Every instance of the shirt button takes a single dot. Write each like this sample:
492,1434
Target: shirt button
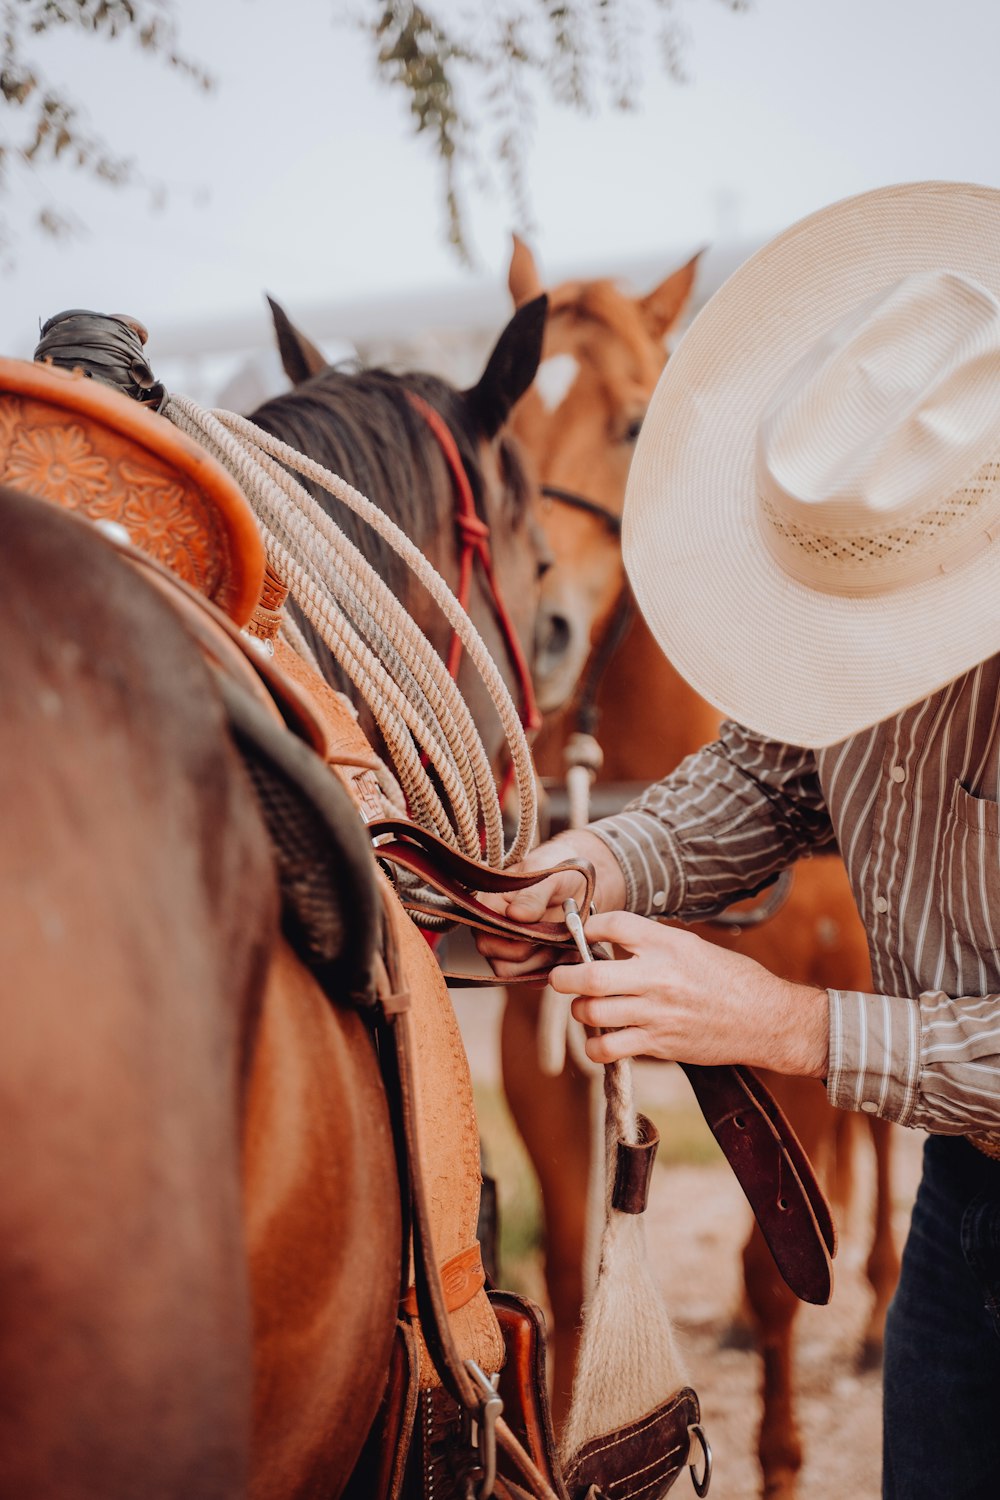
868,1107
898,774
881,904
659,899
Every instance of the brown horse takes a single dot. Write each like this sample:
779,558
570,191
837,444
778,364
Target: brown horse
201,1255
602,355
197,1152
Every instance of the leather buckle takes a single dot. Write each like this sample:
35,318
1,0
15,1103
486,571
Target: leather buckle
696,1433
483,1431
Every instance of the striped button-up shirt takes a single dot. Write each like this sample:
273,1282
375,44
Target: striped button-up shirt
914,807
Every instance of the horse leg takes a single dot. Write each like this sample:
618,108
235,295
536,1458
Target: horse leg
774,1307
136,900
882,1266
553,1116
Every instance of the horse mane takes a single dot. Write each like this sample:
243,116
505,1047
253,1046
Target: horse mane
360,424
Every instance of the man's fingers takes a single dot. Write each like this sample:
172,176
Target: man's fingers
611,1046
611,978
532,905
538,961
614,1010
504,949
621,927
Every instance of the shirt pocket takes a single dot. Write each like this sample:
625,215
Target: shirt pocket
970,879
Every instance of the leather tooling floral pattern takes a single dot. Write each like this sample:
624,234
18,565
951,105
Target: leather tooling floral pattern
103,475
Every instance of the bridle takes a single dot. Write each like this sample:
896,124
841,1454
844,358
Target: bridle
474,536
576,501
586,715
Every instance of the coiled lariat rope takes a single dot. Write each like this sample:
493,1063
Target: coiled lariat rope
419,710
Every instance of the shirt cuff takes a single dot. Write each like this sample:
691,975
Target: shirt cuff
647,853
874,1054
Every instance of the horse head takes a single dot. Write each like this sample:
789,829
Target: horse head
601,358
373,427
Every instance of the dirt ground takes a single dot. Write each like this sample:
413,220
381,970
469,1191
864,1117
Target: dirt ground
697,1222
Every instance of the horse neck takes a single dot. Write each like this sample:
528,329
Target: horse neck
650,717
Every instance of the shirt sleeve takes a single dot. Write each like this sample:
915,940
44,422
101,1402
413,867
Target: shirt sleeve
722,826
931,1061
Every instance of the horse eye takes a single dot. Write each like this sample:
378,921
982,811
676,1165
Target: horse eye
632,430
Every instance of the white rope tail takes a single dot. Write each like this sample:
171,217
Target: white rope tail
628,1363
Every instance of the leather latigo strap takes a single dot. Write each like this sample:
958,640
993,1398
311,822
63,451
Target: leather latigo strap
774,1173
437,865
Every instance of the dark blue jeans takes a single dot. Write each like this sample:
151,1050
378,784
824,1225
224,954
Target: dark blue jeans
942,1341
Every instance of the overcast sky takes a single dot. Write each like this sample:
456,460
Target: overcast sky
298,174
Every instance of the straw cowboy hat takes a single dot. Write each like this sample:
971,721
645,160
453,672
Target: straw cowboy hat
812,522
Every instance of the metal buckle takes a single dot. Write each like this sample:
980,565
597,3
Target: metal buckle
695,1430
483,1431
573,920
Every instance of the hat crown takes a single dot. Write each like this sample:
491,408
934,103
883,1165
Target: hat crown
876,456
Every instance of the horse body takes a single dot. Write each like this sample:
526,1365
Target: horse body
323,1236
158,1192
581,443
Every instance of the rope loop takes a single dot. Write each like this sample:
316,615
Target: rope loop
435,748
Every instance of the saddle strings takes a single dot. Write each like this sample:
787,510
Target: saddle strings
423,718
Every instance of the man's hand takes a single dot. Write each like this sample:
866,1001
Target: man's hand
544,902
681,998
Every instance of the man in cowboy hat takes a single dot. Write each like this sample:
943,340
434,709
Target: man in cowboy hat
812,531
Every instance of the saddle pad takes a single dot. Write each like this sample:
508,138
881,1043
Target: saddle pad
70,439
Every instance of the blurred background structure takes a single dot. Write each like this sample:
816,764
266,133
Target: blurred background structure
298,172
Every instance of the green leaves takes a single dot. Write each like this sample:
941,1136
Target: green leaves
471,84
44,124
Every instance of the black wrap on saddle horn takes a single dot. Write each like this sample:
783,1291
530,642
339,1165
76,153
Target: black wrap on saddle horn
106,347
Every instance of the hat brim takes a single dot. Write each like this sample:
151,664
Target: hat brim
791,663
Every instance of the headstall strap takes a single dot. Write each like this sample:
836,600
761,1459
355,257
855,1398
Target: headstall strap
475,539
621,617
576,501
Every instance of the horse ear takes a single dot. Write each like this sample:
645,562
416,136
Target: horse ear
664,304
523,278
510,369
299,355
